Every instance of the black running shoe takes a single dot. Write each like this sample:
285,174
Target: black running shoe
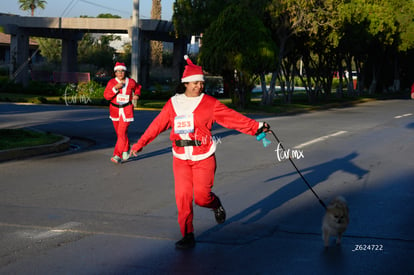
187,242
219,213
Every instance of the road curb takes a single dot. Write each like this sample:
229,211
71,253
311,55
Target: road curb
26,152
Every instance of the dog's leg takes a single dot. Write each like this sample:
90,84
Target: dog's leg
325,237
338,239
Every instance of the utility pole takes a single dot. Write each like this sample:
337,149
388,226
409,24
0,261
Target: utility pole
135,55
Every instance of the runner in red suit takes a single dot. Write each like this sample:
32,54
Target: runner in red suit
412,91
191,116
120,91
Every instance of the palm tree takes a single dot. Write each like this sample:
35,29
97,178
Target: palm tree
32,5
156,46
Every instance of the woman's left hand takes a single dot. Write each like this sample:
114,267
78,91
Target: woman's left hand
266,127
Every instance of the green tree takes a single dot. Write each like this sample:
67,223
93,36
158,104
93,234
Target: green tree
125,56
32,5
370,37
400,38
239,47
107,15
91,49
373,37
51,49
286,19
97,51
194,16
318,49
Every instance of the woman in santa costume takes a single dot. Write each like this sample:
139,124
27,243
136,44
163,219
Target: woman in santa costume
120,91
191,116
412,91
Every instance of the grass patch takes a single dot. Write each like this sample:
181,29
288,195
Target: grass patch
28,98
45,99
16,138
151,104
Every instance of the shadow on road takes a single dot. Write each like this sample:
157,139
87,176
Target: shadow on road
318,173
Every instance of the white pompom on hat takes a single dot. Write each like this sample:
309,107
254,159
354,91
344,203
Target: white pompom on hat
192,72
119,66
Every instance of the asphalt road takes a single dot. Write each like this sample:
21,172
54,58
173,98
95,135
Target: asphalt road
78,213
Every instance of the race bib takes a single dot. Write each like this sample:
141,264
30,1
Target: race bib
184,124
122,99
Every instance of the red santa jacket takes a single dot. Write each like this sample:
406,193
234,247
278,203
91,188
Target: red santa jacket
191,118
118,98
412,91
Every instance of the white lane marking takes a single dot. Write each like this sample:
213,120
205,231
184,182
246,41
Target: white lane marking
52,232
404,115
26,234
319,139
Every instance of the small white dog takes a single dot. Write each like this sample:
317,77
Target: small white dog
335,220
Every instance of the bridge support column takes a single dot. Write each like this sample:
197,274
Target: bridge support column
70,52
19,57
180,48
145,61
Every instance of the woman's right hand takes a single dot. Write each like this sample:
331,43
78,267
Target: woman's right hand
119,85
135,150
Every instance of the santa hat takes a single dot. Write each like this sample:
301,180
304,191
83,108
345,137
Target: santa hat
120,66
192,72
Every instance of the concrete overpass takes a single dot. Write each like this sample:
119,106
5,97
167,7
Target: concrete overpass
71,30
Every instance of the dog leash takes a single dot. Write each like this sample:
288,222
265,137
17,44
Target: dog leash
266,142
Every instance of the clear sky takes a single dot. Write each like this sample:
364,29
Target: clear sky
76,8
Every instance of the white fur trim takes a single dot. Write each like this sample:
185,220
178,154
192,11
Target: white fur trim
120,67
185,57
183,105
193,78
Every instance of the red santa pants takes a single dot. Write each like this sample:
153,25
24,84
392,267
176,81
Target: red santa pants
193,177
122,142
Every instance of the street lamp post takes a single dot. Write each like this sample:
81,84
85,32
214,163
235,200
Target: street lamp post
135,55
